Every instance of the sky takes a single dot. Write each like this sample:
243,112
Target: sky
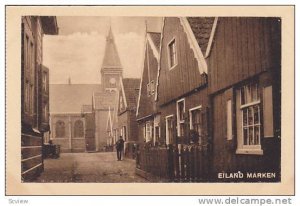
77,52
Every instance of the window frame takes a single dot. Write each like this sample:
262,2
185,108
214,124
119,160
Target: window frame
167,129
152,87
61,130
180,121
75,127
191,120
148,130
148,89
173,40
243,148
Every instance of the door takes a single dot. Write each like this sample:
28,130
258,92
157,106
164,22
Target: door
90,132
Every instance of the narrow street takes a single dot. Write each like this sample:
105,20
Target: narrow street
89,167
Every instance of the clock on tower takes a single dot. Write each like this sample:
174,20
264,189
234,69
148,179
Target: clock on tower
111,70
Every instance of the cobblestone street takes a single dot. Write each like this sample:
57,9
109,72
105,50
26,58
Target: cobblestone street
89,167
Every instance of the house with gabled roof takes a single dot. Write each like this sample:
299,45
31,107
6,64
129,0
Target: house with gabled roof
180,101
127,106
182,93
147,114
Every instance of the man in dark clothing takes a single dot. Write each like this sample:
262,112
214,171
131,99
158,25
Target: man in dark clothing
120,147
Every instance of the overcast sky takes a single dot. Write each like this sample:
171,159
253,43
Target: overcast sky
77,52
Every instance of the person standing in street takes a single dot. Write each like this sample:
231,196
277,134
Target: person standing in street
120,147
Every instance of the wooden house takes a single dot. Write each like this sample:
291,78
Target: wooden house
244,67
147,114
127,104
34,92
182,93
180,101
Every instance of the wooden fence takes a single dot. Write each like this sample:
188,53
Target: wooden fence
181,163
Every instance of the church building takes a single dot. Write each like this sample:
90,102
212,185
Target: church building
71,127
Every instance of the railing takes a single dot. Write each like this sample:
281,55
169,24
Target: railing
177,163
153,160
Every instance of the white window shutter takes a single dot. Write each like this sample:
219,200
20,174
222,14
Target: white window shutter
229,120
268,112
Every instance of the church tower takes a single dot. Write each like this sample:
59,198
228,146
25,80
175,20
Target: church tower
111,70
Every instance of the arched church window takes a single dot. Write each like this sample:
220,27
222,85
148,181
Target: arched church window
78,128
60,129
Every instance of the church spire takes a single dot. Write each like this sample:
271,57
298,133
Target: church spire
111,56
111,70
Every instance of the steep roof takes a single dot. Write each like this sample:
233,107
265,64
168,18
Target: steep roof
104,99
146,105
202,28
131,90
70,97
155,36
111,58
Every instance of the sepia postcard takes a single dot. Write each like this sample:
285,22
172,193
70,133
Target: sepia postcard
150,100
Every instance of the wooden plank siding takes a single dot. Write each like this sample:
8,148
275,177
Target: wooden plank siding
147,103
242,48
193,100
31,155
185,76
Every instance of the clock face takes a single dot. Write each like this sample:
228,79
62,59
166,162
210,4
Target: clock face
112,80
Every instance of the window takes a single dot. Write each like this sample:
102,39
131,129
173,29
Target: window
148,131
148,90
123,133
156,132
249,120
180,117
45,81
170,130
59,129
196,121
152,87
45,113
78,128
28,75
172,53
27,96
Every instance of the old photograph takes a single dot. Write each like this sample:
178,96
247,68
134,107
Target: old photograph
177,99
165,99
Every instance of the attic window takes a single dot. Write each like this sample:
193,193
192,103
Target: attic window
172,54
152,87
148,90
